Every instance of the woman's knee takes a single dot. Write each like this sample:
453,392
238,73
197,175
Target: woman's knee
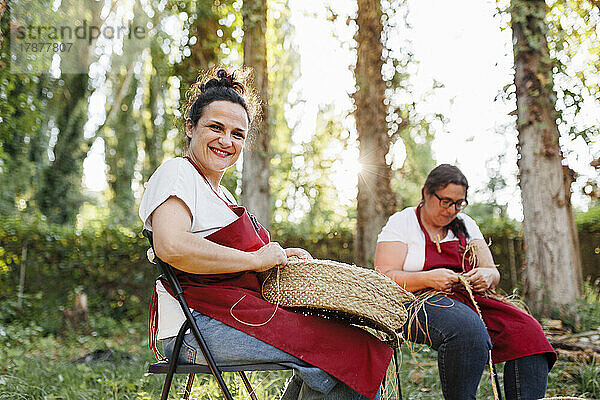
446,321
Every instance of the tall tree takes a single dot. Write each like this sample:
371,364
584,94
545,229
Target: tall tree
59,194
23,139
405,123
552,268
573,30
376,200
256,169
203,42
284,59
120,137
156,122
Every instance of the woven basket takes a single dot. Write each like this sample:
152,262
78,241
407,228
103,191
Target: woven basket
332,289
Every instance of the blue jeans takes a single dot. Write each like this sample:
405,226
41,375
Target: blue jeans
462,343
231,346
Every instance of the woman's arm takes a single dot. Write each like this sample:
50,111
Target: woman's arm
176,245
486,275
389,260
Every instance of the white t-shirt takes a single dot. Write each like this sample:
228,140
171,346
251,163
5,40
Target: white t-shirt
404,227
178,177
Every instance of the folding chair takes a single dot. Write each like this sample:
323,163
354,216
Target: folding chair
171,367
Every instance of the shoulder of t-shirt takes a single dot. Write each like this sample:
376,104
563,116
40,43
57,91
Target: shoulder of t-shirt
175,166
471,225
399,226
403,216
170,170
180,170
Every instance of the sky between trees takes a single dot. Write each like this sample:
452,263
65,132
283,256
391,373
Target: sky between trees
463,45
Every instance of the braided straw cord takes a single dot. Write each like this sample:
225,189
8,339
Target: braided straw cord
471,250
467,286
332,289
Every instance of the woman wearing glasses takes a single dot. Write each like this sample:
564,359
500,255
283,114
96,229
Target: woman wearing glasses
423,248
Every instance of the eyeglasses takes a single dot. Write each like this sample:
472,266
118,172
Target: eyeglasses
447,203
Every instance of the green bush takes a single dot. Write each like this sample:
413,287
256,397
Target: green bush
106,262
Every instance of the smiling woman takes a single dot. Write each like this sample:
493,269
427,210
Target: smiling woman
217,248
217,139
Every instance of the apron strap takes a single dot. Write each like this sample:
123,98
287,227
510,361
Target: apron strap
227,203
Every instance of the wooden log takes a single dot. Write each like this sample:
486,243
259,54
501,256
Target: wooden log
561,344
586,334
578,356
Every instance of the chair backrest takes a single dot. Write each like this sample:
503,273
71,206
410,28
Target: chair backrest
169,273
165,268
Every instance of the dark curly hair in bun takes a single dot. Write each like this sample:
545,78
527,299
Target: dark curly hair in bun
221,85
440,177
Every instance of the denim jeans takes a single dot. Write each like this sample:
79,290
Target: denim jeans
231,346
462,343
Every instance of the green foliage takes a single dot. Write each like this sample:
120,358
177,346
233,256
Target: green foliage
307,172
107,262
57,374
588,377
333,245
407,127
574,379
23,102
58,194
589,221
572,34
120,138
589,305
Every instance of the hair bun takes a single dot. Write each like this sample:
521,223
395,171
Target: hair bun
223,79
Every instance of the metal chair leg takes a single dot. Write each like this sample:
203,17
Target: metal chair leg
248,385
188,387
398,387
173,361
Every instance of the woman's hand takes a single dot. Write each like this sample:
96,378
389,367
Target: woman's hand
297,252
268,256
442,279
481,279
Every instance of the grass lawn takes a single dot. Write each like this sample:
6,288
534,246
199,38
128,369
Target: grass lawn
36,367
43,367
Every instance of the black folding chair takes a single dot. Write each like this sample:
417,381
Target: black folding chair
171,367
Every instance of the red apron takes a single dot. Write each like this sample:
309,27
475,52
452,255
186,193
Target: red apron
348,353
514,333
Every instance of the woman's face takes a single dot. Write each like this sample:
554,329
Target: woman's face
218,138
436,213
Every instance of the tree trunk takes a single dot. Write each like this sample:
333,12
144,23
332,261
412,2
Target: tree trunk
59,195
376,201
155,131
121,150
204,52
552,269
256,195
